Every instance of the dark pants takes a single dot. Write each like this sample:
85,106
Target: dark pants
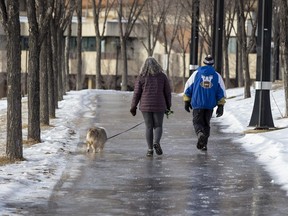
201,121
154,129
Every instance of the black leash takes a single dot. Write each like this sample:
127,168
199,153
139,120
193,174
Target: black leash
125,130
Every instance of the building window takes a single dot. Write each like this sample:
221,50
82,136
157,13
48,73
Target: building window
88,43
232,45
24,43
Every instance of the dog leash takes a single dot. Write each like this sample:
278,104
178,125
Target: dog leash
126,130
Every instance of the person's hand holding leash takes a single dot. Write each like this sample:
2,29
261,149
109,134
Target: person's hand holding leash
168,112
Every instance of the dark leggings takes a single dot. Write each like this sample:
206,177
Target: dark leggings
153,123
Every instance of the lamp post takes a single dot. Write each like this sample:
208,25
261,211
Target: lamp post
217,48
194,37
261,116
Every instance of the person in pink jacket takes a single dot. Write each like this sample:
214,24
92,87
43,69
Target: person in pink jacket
152,90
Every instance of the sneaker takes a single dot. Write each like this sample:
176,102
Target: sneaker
204,148
149,153
201,140
158,149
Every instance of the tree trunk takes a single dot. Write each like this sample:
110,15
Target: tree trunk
33,75
79,46
51,78
124,32
60,63
67,51
240,45
284,40
244,51
226,57
247,91
184,68
240,66
33,90
227,77
14,149
44,107
125,65
54,46
98,63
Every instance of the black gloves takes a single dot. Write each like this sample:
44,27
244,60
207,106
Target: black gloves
168,112
188,106
219,111
133,111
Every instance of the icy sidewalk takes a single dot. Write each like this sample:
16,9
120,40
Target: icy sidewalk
183,181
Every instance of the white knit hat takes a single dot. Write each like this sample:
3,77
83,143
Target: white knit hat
208,60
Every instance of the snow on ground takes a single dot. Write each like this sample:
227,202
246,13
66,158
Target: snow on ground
270,148
34,178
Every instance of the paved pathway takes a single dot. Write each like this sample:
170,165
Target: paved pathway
184,181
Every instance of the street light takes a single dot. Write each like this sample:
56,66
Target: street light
261,116
218,34
194,37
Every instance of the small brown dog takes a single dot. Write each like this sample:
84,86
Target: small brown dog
95,139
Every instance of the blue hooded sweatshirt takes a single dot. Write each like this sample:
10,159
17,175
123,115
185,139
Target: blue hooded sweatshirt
205,88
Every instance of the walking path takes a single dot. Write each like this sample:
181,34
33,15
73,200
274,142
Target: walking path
183,181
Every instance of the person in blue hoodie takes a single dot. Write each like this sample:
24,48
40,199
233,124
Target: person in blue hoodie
204,90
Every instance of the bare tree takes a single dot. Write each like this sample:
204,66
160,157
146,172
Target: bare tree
66,22
128,13
51,77
243,47
246,47
283,4
183,44
66,57
44,105
153,15
9,13
97,9
79,45
205,27
239,54
230,16
61,18
205,24
37,30
170,30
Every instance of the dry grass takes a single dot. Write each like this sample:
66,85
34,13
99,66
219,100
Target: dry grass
29,142
5,161
47,126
